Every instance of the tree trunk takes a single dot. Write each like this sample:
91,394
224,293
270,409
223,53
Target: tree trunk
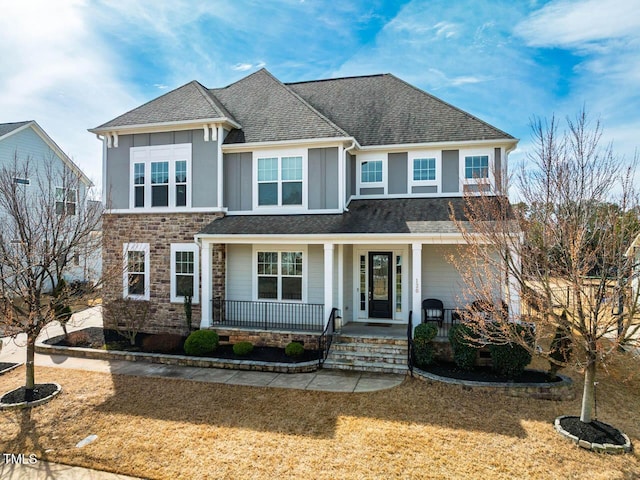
588,394
30,367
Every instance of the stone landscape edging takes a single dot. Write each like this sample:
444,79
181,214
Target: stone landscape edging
10,368
596,447
562,390
34,403
182,360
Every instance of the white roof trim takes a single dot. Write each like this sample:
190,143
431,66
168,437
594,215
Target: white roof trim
195,124
243,147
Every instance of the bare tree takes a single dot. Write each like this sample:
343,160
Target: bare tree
558,259
45,221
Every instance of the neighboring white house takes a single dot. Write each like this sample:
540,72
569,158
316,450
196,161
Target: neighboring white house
634,253
26,145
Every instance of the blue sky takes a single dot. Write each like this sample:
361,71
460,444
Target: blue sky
74,64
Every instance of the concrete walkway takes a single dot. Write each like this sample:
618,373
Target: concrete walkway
13,350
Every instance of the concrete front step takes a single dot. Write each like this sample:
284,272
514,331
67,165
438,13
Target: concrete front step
382,349
367,354
361,366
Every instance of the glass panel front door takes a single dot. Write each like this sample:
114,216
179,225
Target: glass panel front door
380,286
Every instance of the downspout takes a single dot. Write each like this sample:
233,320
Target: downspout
342,184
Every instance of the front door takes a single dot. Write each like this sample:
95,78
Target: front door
380,284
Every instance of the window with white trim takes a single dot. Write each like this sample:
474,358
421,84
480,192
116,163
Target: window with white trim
476,167
135,277
66,200
21,181
424,169
371,171
184,272
280,275
280,181
160,176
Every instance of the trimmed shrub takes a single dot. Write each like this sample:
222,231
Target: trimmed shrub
422,343
201,342
464,351
243,348
509,359
162,343
294,349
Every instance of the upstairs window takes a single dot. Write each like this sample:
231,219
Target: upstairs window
21,181
424,169
280,181
161,176
66,200
476,167
371,171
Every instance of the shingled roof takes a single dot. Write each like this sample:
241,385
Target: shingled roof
384,110
10,127
374,109
269,111
191,102
392,215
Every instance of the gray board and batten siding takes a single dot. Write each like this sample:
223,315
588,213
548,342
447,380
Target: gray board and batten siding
397,173
204,184
238,185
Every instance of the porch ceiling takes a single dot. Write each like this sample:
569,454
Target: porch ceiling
376,216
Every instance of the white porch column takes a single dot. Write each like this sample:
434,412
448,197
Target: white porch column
416,283
206,285
341,279
328,280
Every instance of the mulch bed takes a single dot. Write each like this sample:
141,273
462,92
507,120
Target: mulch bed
98,338
41,390
6,366
486,374
593,432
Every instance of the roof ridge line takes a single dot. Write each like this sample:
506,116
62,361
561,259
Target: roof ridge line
349,77
213,100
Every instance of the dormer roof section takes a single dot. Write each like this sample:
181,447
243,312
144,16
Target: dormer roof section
269,111
186,105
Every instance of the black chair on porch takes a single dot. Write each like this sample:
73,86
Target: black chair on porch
433,311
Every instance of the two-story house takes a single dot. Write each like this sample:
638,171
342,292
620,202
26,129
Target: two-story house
273,203
41,168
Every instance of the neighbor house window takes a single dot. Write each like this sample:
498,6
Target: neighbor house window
371,171
280,181
476,166
66,200
135,279
280,275
160,176
424,169
184,272
21,181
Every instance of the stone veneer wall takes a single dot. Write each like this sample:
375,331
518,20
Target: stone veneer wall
159,231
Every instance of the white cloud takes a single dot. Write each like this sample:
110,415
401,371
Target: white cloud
578,24
242,67
55,71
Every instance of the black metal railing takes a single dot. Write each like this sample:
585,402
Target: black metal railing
410,343
324,340
451,317
306,317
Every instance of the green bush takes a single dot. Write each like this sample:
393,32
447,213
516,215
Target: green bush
422,344
201,342
243,348
509,359
294,349
464,351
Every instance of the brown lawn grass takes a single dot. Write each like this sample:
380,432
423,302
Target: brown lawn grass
166,429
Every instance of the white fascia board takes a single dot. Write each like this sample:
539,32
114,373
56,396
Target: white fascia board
510,142
164,210
372,239
311,142
165,126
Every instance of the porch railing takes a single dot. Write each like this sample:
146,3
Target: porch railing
324,341
306,317
451,317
